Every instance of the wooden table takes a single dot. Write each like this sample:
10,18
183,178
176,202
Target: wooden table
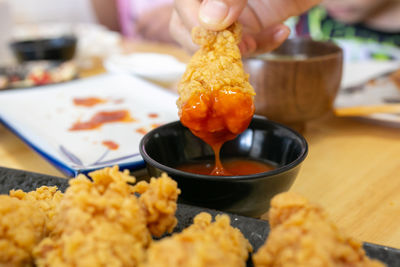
352,170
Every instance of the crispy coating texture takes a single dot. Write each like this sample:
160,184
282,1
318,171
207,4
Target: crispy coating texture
202,244
302,235
25,219
22,227
216,65
158,200
102,223
45,198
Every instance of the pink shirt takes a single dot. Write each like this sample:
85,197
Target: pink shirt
130,10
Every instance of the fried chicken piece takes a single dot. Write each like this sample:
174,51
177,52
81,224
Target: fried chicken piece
102,223
215,98
302,235
203,244
158,200
45,198
24,222
22,227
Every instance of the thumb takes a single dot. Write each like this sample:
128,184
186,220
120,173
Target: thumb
219,14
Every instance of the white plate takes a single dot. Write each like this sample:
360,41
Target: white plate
371,93
42,117
156,67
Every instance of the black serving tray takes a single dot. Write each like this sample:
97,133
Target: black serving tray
255,230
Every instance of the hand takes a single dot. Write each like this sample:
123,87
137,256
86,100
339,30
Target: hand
262,20
153,25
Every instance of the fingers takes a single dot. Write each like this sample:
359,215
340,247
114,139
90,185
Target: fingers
247,46
279,10
188,11
249,20
219,14
180,33
261,20
271,38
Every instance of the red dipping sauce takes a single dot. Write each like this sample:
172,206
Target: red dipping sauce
217,117
232,167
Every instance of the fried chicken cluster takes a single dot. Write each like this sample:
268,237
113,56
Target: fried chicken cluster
104,223
95,223
302,235
202,244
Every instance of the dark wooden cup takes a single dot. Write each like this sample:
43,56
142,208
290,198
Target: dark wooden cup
297,82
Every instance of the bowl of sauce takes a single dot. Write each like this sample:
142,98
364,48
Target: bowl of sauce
261,162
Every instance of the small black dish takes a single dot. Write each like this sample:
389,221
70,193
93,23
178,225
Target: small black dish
172,145
60,49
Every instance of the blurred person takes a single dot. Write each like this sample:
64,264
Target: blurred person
139,19
365,29
38,11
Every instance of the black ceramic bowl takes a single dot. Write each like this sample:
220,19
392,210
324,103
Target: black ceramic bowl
60,49
172,145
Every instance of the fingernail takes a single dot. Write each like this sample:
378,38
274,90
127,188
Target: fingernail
213,12
281,34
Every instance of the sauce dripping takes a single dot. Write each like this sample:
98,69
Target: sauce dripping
217,117
234,166
101,118
88,101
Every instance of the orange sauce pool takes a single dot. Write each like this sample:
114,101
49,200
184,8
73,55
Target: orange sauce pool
217,117
101,118
235,166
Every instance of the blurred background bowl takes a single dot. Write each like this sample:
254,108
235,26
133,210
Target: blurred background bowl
172,145
59,49
297,82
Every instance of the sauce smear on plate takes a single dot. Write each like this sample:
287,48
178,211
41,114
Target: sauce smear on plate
235,166
101,118
110,144
88,101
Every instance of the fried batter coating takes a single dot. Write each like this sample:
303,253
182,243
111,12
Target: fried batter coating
302,235
22,226
100,223
25,219
215,95
216,65
203,244
45,198
158,199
